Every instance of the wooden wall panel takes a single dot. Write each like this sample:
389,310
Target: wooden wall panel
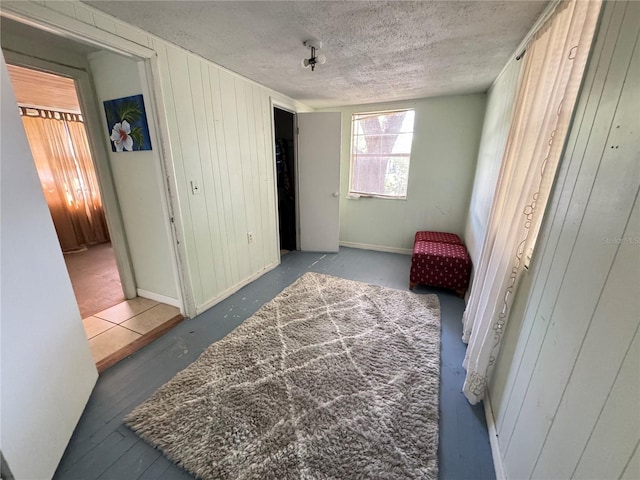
225,148
245,138
632,468
614,440
221,181
606,345
234,166
220,135
556,396
200,194
184,232
212,185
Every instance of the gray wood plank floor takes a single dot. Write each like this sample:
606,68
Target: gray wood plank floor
103,448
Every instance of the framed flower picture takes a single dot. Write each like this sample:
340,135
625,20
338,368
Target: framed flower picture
127,123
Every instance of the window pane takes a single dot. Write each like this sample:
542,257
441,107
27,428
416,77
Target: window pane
381,149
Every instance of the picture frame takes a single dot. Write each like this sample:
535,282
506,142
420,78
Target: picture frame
127,124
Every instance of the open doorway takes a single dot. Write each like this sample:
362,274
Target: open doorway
131,192
55,128
284,128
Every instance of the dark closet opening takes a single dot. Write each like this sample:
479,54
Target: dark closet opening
284,123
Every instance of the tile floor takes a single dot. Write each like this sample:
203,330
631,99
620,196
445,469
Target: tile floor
116,327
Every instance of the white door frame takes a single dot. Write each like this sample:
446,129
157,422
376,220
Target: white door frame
44,18
275,103
84,90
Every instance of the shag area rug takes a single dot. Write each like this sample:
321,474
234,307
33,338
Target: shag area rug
330,379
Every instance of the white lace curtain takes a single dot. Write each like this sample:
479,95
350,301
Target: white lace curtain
551,75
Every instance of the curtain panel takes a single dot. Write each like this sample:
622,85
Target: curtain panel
555,61
60,149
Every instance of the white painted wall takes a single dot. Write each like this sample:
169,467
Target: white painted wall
139,185
219,134
566,387
443,155
495,130
47,369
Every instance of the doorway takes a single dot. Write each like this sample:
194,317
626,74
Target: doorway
284,131
57,136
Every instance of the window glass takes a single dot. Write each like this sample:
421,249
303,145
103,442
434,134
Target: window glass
380,153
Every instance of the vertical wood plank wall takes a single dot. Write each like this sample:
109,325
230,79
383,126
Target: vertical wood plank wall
220,132
566,388
221,138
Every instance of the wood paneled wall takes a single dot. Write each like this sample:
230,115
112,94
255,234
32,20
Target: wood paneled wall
566,388
220,128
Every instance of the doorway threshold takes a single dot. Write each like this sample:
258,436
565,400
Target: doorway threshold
121,330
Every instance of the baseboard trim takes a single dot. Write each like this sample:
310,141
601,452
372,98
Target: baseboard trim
231,290
377,248
174,302
493,439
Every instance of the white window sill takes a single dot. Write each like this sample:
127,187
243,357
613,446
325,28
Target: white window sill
358,196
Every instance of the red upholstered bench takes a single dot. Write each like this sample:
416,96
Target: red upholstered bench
439,237
440,263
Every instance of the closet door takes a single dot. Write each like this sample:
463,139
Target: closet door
319,180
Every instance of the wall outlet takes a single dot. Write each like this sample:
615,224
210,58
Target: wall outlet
251,237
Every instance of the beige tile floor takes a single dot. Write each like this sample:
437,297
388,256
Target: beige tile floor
116,327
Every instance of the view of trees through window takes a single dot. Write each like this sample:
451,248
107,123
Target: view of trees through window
380,153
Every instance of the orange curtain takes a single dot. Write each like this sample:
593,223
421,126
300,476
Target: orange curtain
61,152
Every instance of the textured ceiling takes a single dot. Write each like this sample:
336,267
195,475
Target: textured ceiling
376,51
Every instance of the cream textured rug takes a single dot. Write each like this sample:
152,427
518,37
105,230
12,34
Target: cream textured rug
330,379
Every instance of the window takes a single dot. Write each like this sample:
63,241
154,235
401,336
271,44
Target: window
380,153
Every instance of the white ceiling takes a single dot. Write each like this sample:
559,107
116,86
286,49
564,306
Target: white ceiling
377,51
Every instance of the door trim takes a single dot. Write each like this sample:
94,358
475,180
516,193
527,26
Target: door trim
52,21
287,108
86,95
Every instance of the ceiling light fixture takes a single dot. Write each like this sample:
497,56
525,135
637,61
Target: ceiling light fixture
314,59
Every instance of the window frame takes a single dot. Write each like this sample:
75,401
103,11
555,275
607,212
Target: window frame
351,194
